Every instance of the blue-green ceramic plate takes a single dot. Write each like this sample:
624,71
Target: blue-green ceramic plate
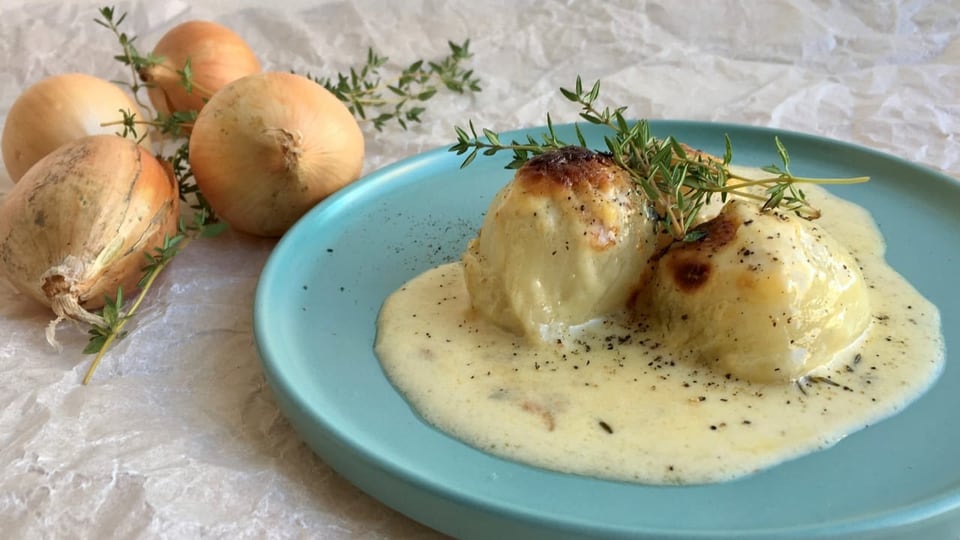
315,322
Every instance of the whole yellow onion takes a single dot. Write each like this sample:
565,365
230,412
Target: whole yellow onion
217,57
78,224
268,147
60,109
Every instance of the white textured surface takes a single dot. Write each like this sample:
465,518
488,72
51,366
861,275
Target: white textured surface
178,435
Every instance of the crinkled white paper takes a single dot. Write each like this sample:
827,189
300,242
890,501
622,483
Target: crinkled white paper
178,434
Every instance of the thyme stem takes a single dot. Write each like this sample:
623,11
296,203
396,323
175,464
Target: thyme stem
102,337
116,331
130,57
173,125
132,121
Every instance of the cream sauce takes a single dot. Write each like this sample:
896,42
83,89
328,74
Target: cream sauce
615,402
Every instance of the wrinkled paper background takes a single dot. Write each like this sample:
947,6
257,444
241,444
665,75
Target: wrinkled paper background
179,436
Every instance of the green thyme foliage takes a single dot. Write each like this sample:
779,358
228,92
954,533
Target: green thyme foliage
111,314
369,97
130,56
175,125
190,193
679,181
784,194
522,152
363,90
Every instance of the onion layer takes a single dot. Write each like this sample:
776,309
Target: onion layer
77,225
217,56
268,147
57,110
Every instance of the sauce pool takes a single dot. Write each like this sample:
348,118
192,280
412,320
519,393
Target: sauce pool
614,401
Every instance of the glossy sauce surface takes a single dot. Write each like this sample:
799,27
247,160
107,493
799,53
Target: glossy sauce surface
617,399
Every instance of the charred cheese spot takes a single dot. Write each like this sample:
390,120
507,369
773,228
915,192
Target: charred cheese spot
570,168
690,274
586,182
691,263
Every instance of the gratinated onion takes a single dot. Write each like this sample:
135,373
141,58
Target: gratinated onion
57,110
217,57
268,147
77,225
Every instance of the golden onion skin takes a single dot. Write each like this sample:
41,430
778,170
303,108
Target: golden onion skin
269,147
77,225
59,109
217,55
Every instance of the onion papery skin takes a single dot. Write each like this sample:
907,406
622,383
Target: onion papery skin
218,56
77,225
60,109
269,147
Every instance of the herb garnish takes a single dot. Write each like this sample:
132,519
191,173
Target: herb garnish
401,100
678,180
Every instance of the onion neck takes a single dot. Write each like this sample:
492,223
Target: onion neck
291,146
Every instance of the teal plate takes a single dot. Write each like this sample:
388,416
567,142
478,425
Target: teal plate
315,322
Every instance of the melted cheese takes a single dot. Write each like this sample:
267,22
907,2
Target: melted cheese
765,296
564,243
625,400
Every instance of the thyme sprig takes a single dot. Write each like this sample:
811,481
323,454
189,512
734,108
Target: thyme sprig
130,56
369,97
171,126
114,316
677,179
174,124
